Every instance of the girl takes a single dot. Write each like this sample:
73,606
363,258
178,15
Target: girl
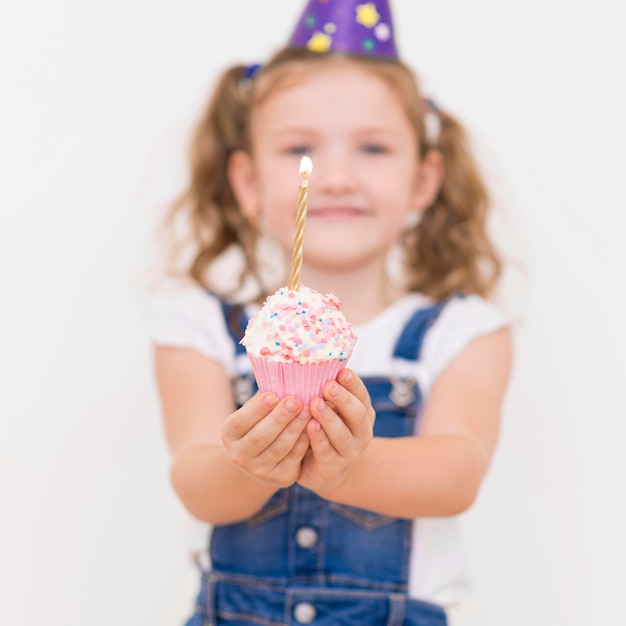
336,512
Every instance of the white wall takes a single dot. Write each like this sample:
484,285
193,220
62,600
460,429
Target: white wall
95,103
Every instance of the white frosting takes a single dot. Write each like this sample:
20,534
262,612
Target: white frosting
301,326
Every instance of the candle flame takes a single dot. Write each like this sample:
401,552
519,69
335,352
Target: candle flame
306,166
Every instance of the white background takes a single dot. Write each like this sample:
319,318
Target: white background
96,102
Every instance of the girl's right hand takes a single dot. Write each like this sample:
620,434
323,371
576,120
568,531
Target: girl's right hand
267,438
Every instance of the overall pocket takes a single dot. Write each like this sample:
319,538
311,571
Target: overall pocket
256,546
363,547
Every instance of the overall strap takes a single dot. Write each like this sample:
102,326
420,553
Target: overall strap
411,340
407,352
236,321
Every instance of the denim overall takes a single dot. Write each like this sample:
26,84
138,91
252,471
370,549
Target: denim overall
304,560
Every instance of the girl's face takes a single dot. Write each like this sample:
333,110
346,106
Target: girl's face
367,179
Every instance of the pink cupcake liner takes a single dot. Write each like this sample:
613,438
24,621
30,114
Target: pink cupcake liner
295,379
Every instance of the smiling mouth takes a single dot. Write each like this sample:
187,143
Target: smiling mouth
339,212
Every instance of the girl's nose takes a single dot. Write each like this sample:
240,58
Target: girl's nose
334,173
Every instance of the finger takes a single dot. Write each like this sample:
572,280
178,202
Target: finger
355,385
288,470
356,415
334,428
321,446
241,421
266,431
285,440
296,454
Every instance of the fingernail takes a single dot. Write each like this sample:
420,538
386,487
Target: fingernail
304,414
270,400
321,406
347,376
291,405
333,390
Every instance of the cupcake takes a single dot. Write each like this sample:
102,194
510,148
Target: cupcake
297,342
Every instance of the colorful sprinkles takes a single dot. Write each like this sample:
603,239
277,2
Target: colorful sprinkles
302,326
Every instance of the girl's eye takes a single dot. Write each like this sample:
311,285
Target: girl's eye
374,148
299,150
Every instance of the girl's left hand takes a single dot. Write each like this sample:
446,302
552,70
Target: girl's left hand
340,428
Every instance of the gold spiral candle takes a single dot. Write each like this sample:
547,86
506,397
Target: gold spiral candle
306,167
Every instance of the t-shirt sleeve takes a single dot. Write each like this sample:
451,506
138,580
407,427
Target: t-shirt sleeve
462,320
190,318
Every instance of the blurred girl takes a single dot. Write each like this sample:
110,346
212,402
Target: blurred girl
342,511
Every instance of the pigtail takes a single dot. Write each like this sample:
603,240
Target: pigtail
208,204
449,251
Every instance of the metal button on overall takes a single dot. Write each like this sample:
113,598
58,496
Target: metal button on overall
304,613
306,537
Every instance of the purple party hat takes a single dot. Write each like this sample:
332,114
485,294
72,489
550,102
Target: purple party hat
350,26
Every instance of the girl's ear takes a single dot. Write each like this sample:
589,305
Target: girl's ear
243,183
429,180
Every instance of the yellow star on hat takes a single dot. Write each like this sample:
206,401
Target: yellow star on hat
367,15
319,42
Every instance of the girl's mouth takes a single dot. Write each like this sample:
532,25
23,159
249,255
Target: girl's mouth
337,212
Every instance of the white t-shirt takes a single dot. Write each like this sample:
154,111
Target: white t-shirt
189,317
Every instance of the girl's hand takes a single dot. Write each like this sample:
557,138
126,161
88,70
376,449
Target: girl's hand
267,438
339,431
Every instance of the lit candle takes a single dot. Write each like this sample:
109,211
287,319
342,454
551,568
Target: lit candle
306,167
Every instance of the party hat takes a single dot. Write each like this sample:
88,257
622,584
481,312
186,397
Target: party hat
350,26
